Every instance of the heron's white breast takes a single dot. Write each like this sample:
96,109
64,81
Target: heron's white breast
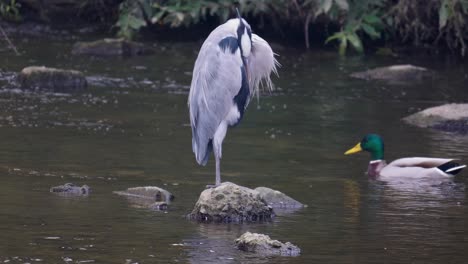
246,44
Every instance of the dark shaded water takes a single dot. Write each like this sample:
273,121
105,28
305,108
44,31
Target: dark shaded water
132,129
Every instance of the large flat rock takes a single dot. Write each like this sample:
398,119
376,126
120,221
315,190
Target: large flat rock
448,117
51,79
395,73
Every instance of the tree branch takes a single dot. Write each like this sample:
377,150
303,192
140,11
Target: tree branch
9,41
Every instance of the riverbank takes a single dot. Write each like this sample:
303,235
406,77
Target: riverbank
438,26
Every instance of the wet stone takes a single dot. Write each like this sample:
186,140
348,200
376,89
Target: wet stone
70,189
396,73
110,47
277,199
231,203
51,79
448,117
150,197
263,245
459,126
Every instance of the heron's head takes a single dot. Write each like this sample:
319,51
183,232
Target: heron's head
372,143
244,35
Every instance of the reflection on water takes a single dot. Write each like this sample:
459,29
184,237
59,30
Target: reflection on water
131,129
214,244
352,200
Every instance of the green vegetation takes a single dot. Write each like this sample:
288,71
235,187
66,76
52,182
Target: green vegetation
9,10
351,24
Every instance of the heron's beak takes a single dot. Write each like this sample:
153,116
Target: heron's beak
238,13
355,149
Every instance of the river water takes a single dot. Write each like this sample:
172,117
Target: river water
131,128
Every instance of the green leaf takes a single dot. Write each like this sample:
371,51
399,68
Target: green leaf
323,7
343,46
157,17
372,19
443,14
136,22
370,30
352,26
122,22
342,4
464,5
355,42
146,7
326,5
337,35
389,21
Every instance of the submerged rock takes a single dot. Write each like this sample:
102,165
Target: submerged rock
110,47
231,203
56,80
70,189
264,245
148,197
395,73
448,117
277,199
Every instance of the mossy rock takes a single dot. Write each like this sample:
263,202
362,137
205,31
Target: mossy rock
70,189
229,202
110,47
263,245
52,79
277,199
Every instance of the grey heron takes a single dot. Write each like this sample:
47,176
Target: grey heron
230,67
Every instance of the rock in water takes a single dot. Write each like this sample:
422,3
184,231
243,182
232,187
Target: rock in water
51,79
264,245
70,189
395,73
277,199
231,203
148,197
110,47
449,117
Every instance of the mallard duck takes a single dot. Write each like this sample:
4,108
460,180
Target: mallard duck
417,167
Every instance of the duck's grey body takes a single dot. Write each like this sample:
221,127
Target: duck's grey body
415,167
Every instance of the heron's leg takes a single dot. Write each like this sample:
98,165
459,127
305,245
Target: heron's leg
218,147
218,170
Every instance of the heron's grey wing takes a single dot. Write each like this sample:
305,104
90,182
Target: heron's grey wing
216,80
261,64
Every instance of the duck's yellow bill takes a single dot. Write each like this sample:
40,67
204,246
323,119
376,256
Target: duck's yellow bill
355,149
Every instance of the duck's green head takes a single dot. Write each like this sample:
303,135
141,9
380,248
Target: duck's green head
372,143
